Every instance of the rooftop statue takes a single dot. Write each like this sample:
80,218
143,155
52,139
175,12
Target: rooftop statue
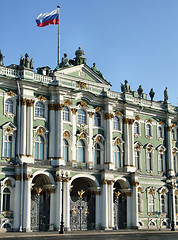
140,91
80,59
64,63
125,88
97,71
152,94
165,95
26,62
1,59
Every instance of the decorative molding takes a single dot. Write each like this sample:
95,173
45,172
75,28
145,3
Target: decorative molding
66,134
125,120
41,98
98,139
117,142
110,182
118,113
67,102
98,109
11,93
83,104
137,117
149,121
30,102
40,131
82,85
23,101
108,116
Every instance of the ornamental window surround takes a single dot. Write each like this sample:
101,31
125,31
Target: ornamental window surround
149,130
8,146
39,109
117,157
81,116
160,132
97,154
151,196
137,155
140,199
9,106
149,157
66,116
66,150
81,149
161,159
136,128
163,200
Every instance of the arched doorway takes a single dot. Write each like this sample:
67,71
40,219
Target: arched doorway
120,205
40,203
82,204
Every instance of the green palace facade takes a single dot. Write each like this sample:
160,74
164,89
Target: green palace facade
75,152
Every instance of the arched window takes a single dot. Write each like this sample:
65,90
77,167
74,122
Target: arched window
148,130
117,157
148,161
8,145
116,123
151,203
6,200
175,161
137,159
9,106
81,151
136,128
65,114
160,162
82,119
160,132
162,204
97,154
176,203
39,147
39,109
66,150
97,119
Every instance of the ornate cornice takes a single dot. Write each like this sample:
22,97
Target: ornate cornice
108,116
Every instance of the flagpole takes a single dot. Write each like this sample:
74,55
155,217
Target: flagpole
58,47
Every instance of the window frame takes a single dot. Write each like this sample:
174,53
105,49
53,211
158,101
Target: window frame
116,124
39,147
6,196
66,114
97,119
81,118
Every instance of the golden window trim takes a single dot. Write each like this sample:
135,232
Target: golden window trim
11,93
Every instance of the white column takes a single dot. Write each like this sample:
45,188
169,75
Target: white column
66,205
30,128
52,211
59,134
132,159
23,127
74,124
52,131
58,202
17,202
111,205
98,210
172,203
27,204
104,210
129,211
135,205
90,144
169,149
126,139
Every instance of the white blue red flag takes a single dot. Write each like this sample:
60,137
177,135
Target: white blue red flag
45,19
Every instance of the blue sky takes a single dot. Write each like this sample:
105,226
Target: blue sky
135,40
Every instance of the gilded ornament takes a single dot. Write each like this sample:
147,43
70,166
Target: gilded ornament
11,93
41,98
9,130
173,125
134,184
151,191
108,116
80,193
86,211
137,147
52,106
137,117
139,189
176,192
73,210
117,194
23,101
67,102
149,121
169,128
83,104
98,109
131,121
38,190
90,114
161,123
59,106
98,139
8,182
40,131
117,141
66,134
74,111
30,102
110,182
82,84
163,191
126,120
118,113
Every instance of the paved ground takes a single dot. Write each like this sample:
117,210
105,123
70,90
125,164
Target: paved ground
98,235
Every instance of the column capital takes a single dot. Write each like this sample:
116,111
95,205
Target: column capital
133,183
74,111
30,102
52,106
23,101
90,114
108,116
59,106
27,177
103,181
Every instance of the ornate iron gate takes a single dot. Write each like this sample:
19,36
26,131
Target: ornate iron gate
120,212
40,210
82,214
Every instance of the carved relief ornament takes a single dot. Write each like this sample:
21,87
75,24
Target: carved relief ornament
30,102
40,131
149,121
90,114
52,106
118,113
59,106
83,104
98,139
108,116
74,111
41,98
11,93
137,117
82,84
98,109
66,134
67,102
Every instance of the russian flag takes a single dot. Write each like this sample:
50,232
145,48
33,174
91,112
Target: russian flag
45,19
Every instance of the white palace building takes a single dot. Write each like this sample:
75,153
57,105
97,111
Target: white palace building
113,156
